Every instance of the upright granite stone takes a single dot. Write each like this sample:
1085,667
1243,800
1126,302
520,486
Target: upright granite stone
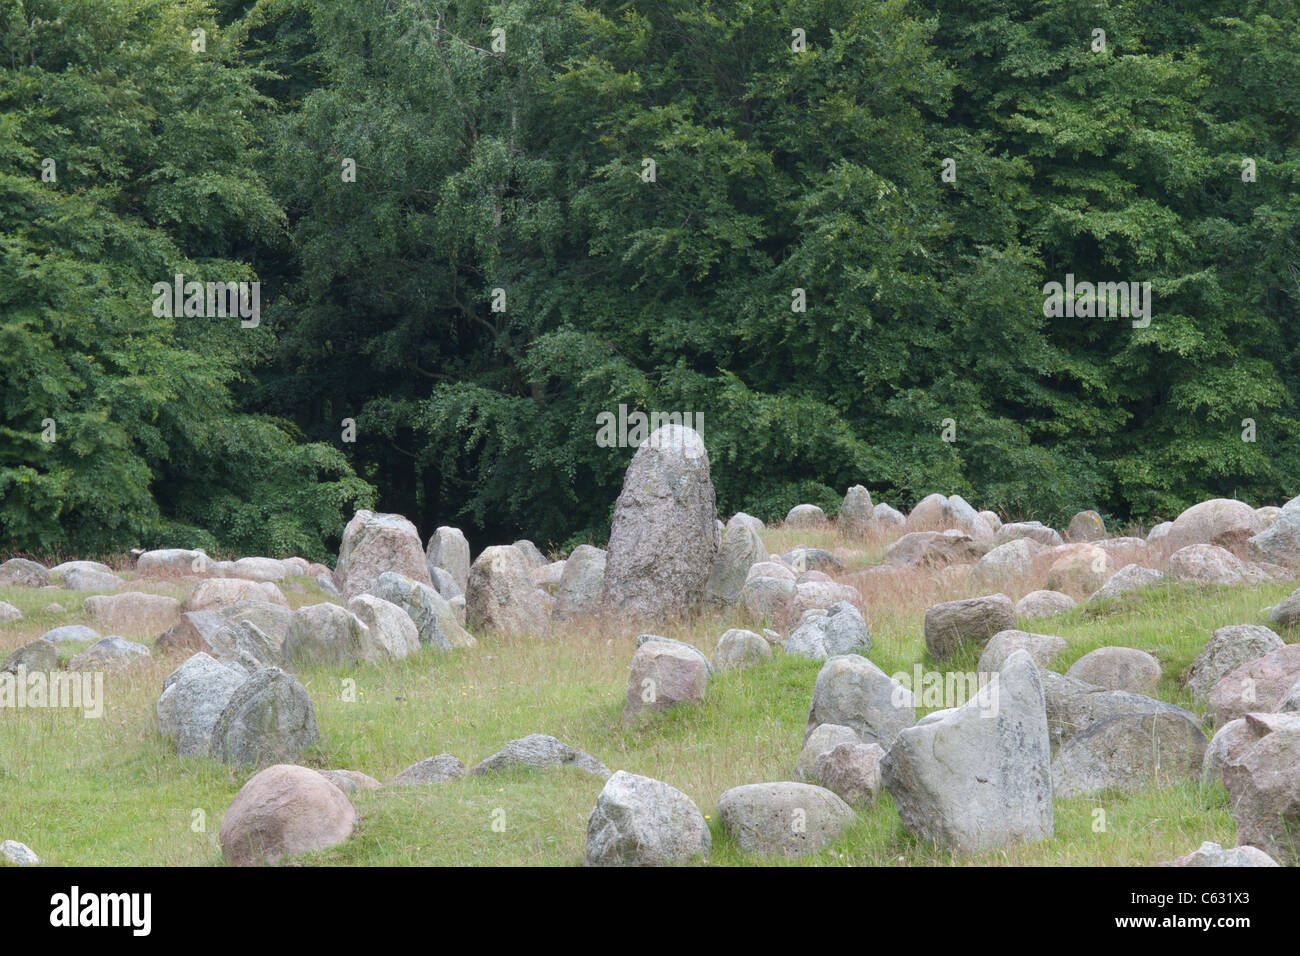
857,513
501,597
1279,542
435,619
448,549
741,549
269,719
853,692
663,540
578,593
374,543
978,776
193,698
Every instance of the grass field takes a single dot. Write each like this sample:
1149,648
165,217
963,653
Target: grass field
112,791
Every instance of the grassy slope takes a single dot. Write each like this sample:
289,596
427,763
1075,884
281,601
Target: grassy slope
112,791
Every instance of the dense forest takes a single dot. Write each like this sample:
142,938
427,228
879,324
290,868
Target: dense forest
823,227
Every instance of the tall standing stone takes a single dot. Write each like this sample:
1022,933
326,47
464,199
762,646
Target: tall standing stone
663,540
374,543
449,550
857,513
741,549
578,592
978,776
500,596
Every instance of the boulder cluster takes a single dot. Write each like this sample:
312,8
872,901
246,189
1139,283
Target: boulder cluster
969,775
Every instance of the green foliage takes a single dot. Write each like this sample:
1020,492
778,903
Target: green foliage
523,170
153,148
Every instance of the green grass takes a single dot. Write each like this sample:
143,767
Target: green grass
112,791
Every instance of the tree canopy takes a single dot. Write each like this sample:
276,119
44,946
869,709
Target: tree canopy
824,228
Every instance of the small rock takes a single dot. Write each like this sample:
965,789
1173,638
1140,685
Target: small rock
851,771
1208,564
1081,569
1086,526
738,649
389,633
823,738
889,517
71,632
1258,685
840,630
437,769
90,579
638,821
805,516
21,573
664,673
1073,705
540,752
282,811
350,781
108,653
783,819
1211,854
1264,789
1044,604
1228,648
1130,578
18,854
973,620
1118,668
1043,649
38,655
325,634
1223,522
853,692
213,593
